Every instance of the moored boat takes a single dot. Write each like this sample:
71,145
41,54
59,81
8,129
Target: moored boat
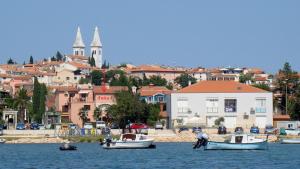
290,141
2,141
129,141
239,142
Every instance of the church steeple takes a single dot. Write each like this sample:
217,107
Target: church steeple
78,46
96,39
96,48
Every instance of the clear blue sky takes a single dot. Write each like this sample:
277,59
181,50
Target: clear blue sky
256,33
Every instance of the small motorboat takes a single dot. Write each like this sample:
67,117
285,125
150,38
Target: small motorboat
67,146
239,142
129,141
2,140
290,141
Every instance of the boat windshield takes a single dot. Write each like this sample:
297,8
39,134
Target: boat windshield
128,137
238,139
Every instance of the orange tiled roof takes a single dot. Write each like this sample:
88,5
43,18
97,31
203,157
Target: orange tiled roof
260,78
21,77
281,117
152,90
80,65
64,88
5,75
78,57
221,87
154,68
109,90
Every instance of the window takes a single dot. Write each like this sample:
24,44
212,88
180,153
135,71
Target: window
87,107
260,105
160,98
67,78
75,78
182,104
212,105
230,105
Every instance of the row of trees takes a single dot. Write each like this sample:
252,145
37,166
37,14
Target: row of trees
119,78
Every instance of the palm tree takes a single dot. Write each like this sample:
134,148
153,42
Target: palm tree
83,114
21,102
97,113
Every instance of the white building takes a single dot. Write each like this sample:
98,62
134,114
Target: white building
202,103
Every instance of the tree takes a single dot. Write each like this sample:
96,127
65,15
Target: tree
169,86
184,79
84,80
97,113
128,107
262,86
53,58
105,65
96,76
59,56
31,60
244,78
158,81
117,78
10,61
36,97
92,61
287,83
21,102
152,113
83,114
42,106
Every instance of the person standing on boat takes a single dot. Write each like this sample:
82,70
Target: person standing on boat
202,139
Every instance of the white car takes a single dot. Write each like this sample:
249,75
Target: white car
87,126
100,124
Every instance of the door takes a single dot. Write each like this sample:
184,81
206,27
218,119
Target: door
230,122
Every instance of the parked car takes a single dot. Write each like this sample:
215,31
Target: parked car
159,125
87,126
254,129
100,124
239,130
42,127
196,129
34,126
138,126
3,126
222,130
20,126
270,129
114,126
183,129
72,126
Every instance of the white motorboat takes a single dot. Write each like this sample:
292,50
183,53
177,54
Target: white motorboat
239,142
290,141
129,141
2,140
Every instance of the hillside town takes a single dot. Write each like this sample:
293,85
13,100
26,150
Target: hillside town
82,87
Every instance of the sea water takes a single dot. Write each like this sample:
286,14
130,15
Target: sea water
166,155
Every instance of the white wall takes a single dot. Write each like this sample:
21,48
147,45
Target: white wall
197,104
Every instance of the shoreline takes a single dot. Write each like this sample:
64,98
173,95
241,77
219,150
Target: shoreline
176,138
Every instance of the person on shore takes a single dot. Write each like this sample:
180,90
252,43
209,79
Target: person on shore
202,139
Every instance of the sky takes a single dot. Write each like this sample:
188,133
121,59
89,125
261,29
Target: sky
190,33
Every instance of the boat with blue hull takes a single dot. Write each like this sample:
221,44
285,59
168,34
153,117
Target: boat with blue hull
238,142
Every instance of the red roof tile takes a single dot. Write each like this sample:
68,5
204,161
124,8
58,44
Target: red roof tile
221,87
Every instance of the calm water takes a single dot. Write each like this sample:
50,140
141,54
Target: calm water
166,155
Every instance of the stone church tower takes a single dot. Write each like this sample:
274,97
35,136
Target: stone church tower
78,46
96,48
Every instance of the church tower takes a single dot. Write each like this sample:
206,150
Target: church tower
78,46
96,48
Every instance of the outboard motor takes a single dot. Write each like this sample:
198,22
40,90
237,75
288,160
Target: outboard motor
108,141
